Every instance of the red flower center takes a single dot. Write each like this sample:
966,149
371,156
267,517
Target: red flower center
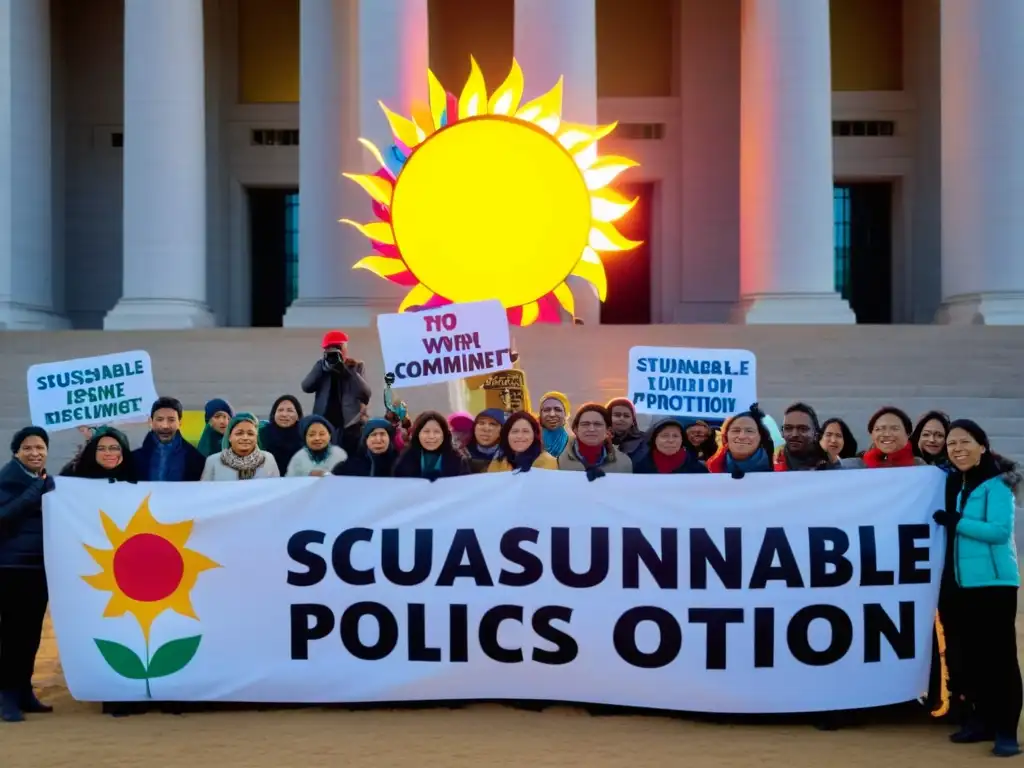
148,568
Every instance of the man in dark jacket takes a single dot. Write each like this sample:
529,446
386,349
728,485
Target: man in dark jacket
23,593
165,455
340,390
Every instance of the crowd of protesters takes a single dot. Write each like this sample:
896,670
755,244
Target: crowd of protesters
979,674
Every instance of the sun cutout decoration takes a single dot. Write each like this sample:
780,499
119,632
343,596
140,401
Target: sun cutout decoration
481,198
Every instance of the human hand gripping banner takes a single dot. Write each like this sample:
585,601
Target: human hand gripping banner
774,593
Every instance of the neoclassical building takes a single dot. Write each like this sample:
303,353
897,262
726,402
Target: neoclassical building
169,164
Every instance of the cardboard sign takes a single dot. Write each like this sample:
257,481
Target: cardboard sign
691,382
91,391
445,344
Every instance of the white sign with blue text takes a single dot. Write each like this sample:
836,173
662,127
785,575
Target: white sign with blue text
692,382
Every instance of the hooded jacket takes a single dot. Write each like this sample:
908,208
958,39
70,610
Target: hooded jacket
646,465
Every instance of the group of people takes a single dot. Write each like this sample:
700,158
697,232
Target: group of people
979,672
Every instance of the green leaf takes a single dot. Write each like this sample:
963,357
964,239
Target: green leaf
122,659
173,656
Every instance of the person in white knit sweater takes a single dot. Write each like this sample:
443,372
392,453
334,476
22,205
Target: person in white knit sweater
241,457
318,457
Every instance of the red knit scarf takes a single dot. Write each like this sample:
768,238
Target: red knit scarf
875,459
590,454
666,464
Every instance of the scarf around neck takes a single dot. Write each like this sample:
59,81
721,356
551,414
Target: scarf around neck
758,461
430,462
875,459
787,462
245,466
482,452
523,461
667,464
555,440
591,455
319,457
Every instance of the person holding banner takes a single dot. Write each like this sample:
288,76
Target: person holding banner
483,444
928,440
241,457
747,445
837,439
376,454
666,454
986,569
317,457
280,436
890,430
802,450
700,439
626,434
592,450
554,411
103,458
521,446
165,455
23,592
430,454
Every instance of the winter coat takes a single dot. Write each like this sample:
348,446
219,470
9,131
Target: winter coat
21,516
984,550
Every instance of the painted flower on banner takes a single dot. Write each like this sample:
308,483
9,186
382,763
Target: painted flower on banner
482,198
148,570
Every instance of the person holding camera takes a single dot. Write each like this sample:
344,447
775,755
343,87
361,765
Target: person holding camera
339,389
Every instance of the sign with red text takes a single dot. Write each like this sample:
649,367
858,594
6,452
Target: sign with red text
444,344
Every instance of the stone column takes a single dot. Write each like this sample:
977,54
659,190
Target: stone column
26,176
354,53
164,254
786,217
982,162
555,38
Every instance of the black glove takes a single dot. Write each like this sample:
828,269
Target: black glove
593,473
738,474
947,519
48,484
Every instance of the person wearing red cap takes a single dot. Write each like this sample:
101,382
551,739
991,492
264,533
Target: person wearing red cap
340,390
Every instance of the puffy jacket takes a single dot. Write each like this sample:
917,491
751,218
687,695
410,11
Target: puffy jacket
21,516
984,551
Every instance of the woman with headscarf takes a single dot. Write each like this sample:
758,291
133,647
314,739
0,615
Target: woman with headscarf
376,454
666,452
107,456
747,445
928,440
837,440
521,446
986,570
592,450
218,413
626,434
889,428
280,436
241,457
554,412
700,439
430,454
318,457
483,445
23,593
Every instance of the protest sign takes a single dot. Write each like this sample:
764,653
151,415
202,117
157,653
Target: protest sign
692,382
697,593
91,391
445,344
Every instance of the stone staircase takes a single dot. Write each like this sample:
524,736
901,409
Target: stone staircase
975,372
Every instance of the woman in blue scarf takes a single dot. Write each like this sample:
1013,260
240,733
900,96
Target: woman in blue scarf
746,445
554,411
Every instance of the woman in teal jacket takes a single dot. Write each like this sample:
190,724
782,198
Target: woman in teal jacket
985,566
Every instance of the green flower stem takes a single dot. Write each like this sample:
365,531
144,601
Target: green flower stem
149,693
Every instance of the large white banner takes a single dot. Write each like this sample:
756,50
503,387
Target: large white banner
773,593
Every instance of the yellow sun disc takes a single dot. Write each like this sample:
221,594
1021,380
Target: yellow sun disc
491,206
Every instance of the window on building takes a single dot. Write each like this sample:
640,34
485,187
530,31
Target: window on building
291,247
841,225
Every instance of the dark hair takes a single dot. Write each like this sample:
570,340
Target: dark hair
897,412
170,403
26,432
503,444
800,407
622,402
757,416
88,467
286,398
915,436
592,408
421,421
849,449
999,463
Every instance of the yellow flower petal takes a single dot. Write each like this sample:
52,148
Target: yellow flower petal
605,237
378,230
473,100
372,149
438,98
142,521
422,116
577,138
416,297
181,603
114,534
591,269
605,170
104,580
548,105
564,295
196,562
378,188
531,312
505,100
607,205
405,130
381,266
119,605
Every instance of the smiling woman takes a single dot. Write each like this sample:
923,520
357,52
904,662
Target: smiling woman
241,457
